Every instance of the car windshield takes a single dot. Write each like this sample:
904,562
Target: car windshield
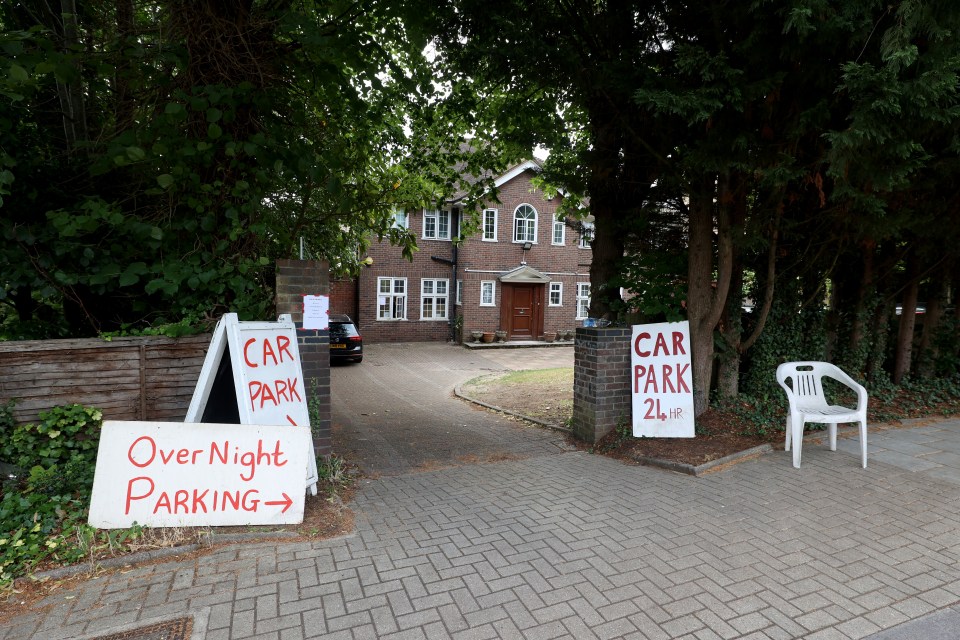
341,330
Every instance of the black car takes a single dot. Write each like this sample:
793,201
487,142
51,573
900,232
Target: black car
345,341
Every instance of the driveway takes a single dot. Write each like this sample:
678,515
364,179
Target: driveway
396,411
561,546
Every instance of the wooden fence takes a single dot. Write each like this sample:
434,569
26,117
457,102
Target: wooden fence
144,378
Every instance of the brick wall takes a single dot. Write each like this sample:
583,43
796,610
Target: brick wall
343,297
601,381
296,278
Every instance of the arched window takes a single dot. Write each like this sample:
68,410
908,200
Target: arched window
525,224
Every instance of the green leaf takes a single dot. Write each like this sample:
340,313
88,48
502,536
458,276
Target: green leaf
214,131
18,74
165,180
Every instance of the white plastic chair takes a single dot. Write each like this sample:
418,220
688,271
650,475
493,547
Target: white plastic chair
808,404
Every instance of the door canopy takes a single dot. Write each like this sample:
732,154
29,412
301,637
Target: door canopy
524,275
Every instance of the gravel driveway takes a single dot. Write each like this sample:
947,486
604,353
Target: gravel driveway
396,412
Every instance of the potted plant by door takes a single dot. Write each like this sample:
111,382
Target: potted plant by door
487,336
476,335
501,336
549,336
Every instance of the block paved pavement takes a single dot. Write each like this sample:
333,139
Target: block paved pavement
571,545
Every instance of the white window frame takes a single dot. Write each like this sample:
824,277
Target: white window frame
531,229
437,215
387,311
459,292
583,300
586,236
558,224
492,285
494,215
401,219
433,296
558,288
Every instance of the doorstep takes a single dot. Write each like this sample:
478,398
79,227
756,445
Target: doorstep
517,344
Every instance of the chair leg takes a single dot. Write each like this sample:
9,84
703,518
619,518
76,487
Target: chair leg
863,442
797,437
789,432
832,435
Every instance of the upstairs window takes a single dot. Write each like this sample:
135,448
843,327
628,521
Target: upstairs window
586,236
559,231
525,224
436,224
400,219
490,225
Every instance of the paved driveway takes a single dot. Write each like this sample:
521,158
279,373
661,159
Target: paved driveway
567,545
396,412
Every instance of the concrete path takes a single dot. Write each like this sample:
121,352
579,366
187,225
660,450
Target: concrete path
571,545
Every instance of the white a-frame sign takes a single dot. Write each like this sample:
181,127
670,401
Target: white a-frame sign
252,375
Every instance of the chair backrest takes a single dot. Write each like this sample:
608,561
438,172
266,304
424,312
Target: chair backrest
805,380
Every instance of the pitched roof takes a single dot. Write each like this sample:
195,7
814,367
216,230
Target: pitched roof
509,174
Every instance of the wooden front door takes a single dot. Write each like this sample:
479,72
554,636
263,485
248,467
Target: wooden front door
522,310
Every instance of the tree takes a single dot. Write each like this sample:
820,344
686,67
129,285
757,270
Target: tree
161,156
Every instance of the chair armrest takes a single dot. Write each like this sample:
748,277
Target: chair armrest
841,376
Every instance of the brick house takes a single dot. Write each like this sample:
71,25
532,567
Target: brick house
525,272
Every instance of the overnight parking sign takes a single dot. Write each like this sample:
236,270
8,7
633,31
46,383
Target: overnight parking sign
178,474
661,380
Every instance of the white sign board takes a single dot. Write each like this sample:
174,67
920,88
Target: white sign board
316,312
252,375
173,474
662,381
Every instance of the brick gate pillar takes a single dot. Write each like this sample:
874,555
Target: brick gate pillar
295,279
601,381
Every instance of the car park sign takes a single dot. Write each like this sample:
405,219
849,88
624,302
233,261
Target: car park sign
661,380
252,375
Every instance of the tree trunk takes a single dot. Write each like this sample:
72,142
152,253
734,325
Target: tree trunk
908,320
606,204
927,350
124,100
863,295
70,94
728,373
607,247
704,303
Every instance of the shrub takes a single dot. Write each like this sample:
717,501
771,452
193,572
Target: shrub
43,510
62,434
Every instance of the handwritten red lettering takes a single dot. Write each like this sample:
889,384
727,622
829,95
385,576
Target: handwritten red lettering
268,351
283,346
669,378
130,495
149,458
636,344
246,358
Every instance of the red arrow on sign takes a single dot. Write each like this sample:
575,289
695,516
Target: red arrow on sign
286,502
291,421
